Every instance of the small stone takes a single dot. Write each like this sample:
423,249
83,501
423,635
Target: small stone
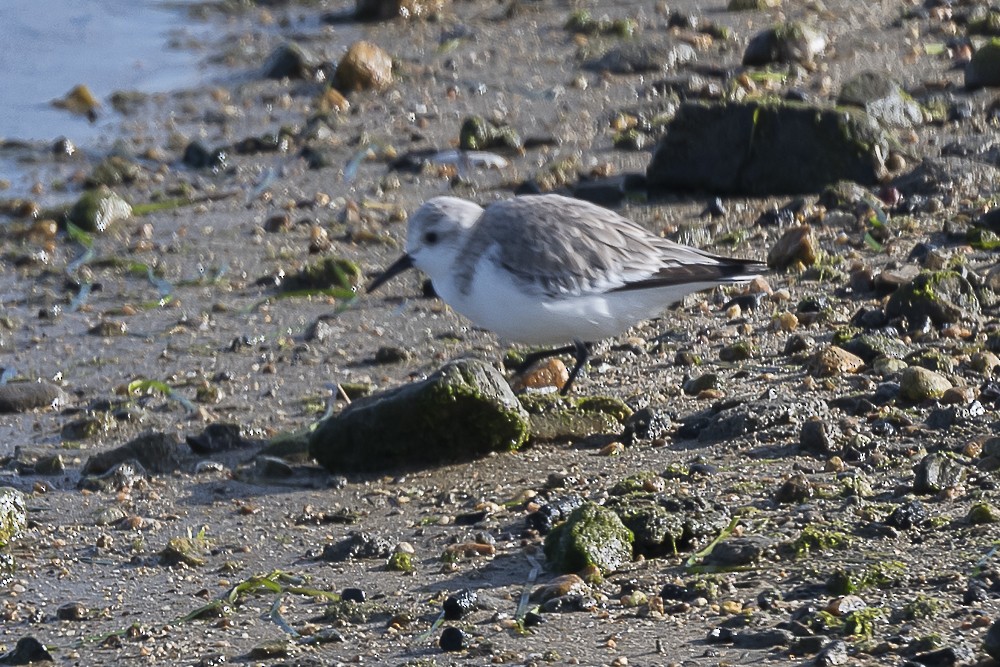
845,604
452,639
797,245
920,384
27,651
761,639
72,611
907,515
982,513
833,360
738,551
937,472
364,67
548,373
796,489
833,654
991,642
816,436
459,605
353,594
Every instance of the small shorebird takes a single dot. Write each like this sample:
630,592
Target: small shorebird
547,269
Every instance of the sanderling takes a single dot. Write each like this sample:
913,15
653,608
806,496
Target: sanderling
547,269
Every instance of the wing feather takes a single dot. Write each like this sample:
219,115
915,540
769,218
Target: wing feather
554,245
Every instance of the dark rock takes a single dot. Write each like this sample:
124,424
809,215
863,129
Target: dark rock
388,354
991,642
665,524
353,594
907,515
159,453
24,396
122,477
761,639
795,489
945,297
220,438
791,42
816,436
452,639
833,654
463,411
732,148
738,551
983,70
357,545
943,176
883,98
592,536
937,472
646,424
551,513
290,61
72,611
458,605
637,57
945,657
871,346
197,156
28,650
735,418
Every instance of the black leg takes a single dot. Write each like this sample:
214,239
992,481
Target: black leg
581,351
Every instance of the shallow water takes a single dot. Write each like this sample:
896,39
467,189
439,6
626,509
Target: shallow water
108,45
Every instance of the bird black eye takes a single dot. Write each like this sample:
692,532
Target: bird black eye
431,238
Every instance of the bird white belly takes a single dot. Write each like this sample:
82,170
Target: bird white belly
494,302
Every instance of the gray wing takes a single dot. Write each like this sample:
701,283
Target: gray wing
556,245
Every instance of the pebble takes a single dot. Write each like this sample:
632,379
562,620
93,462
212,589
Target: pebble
832,361
452,639
919,384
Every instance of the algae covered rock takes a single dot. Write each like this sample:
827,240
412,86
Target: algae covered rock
920,384
944,297
663,524
555,418
462,412
13,514
591,536
98,209
733,148
984,68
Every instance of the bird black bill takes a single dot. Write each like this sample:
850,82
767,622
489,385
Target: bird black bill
402,264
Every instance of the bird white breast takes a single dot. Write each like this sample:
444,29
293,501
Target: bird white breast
495,302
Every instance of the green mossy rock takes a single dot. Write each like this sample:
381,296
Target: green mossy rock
943,296
462,412
98,209
561,418
732,148
591,536
13,514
